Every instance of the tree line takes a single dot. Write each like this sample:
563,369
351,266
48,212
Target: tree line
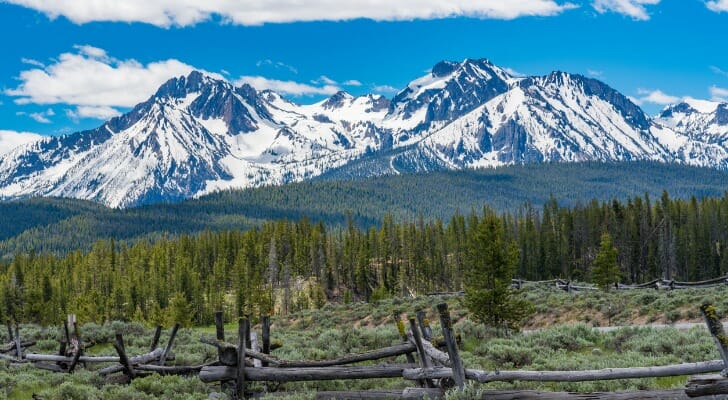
283,265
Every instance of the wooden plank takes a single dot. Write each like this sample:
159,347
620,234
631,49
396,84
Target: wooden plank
452,347
221,373
569,376
239,371
165,353
408,393
707,385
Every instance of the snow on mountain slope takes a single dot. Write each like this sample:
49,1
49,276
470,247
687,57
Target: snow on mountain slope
9,140
197,135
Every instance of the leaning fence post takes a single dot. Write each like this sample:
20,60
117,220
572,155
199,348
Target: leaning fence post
242,339
458,372
18,345
424,359
163,357
155,339
424,325
716,329
265,328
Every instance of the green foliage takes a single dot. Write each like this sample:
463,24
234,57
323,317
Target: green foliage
488,293
605,270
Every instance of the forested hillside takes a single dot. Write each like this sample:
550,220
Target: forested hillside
290,265
61,225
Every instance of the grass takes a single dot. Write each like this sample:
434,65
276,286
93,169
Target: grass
563,340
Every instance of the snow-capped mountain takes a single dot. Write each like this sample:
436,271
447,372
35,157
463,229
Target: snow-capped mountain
197,134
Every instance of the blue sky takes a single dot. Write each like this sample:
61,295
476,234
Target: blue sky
68,66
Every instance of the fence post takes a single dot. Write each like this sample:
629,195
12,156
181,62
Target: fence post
458,372
716,329
265,332
242,339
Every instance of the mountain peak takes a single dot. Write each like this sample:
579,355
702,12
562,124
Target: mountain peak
337,100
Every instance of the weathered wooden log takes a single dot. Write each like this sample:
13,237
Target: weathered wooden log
403,335
408,393
6,357
436,355
569,376
219,331
254,347
11,346
674,394
716,330
239,371
392,351
165,353
18,344
707,385
270,374
123,359
155,339
142,359
76,355
425,361
452,348
265,333
49,367
171,370
227,353
424,325
67,359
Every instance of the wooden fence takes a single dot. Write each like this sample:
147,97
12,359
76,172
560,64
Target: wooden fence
432,365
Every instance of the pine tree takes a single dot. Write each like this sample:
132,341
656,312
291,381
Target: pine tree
488,293
605,270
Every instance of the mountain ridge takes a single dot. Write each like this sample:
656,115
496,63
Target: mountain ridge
197,135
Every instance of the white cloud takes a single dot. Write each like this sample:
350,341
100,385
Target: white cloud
323,79
385,89
595,73
167,13
12,139
718,94
101,112
718,70
33,62
90,77
40,116
276,65
513,72
287,87
352,82
654,97
632,8
718,5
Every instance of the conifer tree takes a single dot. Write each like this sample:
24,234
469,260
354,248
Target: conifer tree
488,293
605,270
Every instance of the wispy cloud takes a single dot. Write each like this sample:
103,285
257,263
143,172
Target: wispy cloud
90,77
33,62
718,70
718,93
40,116
352,82
101,112
287,87
654,97
12,139
595,73
385,89
277,65
631,8
717,5
513,72
166,13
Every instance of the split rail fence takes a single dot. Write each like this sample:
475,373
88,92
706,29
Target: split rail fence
432,364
